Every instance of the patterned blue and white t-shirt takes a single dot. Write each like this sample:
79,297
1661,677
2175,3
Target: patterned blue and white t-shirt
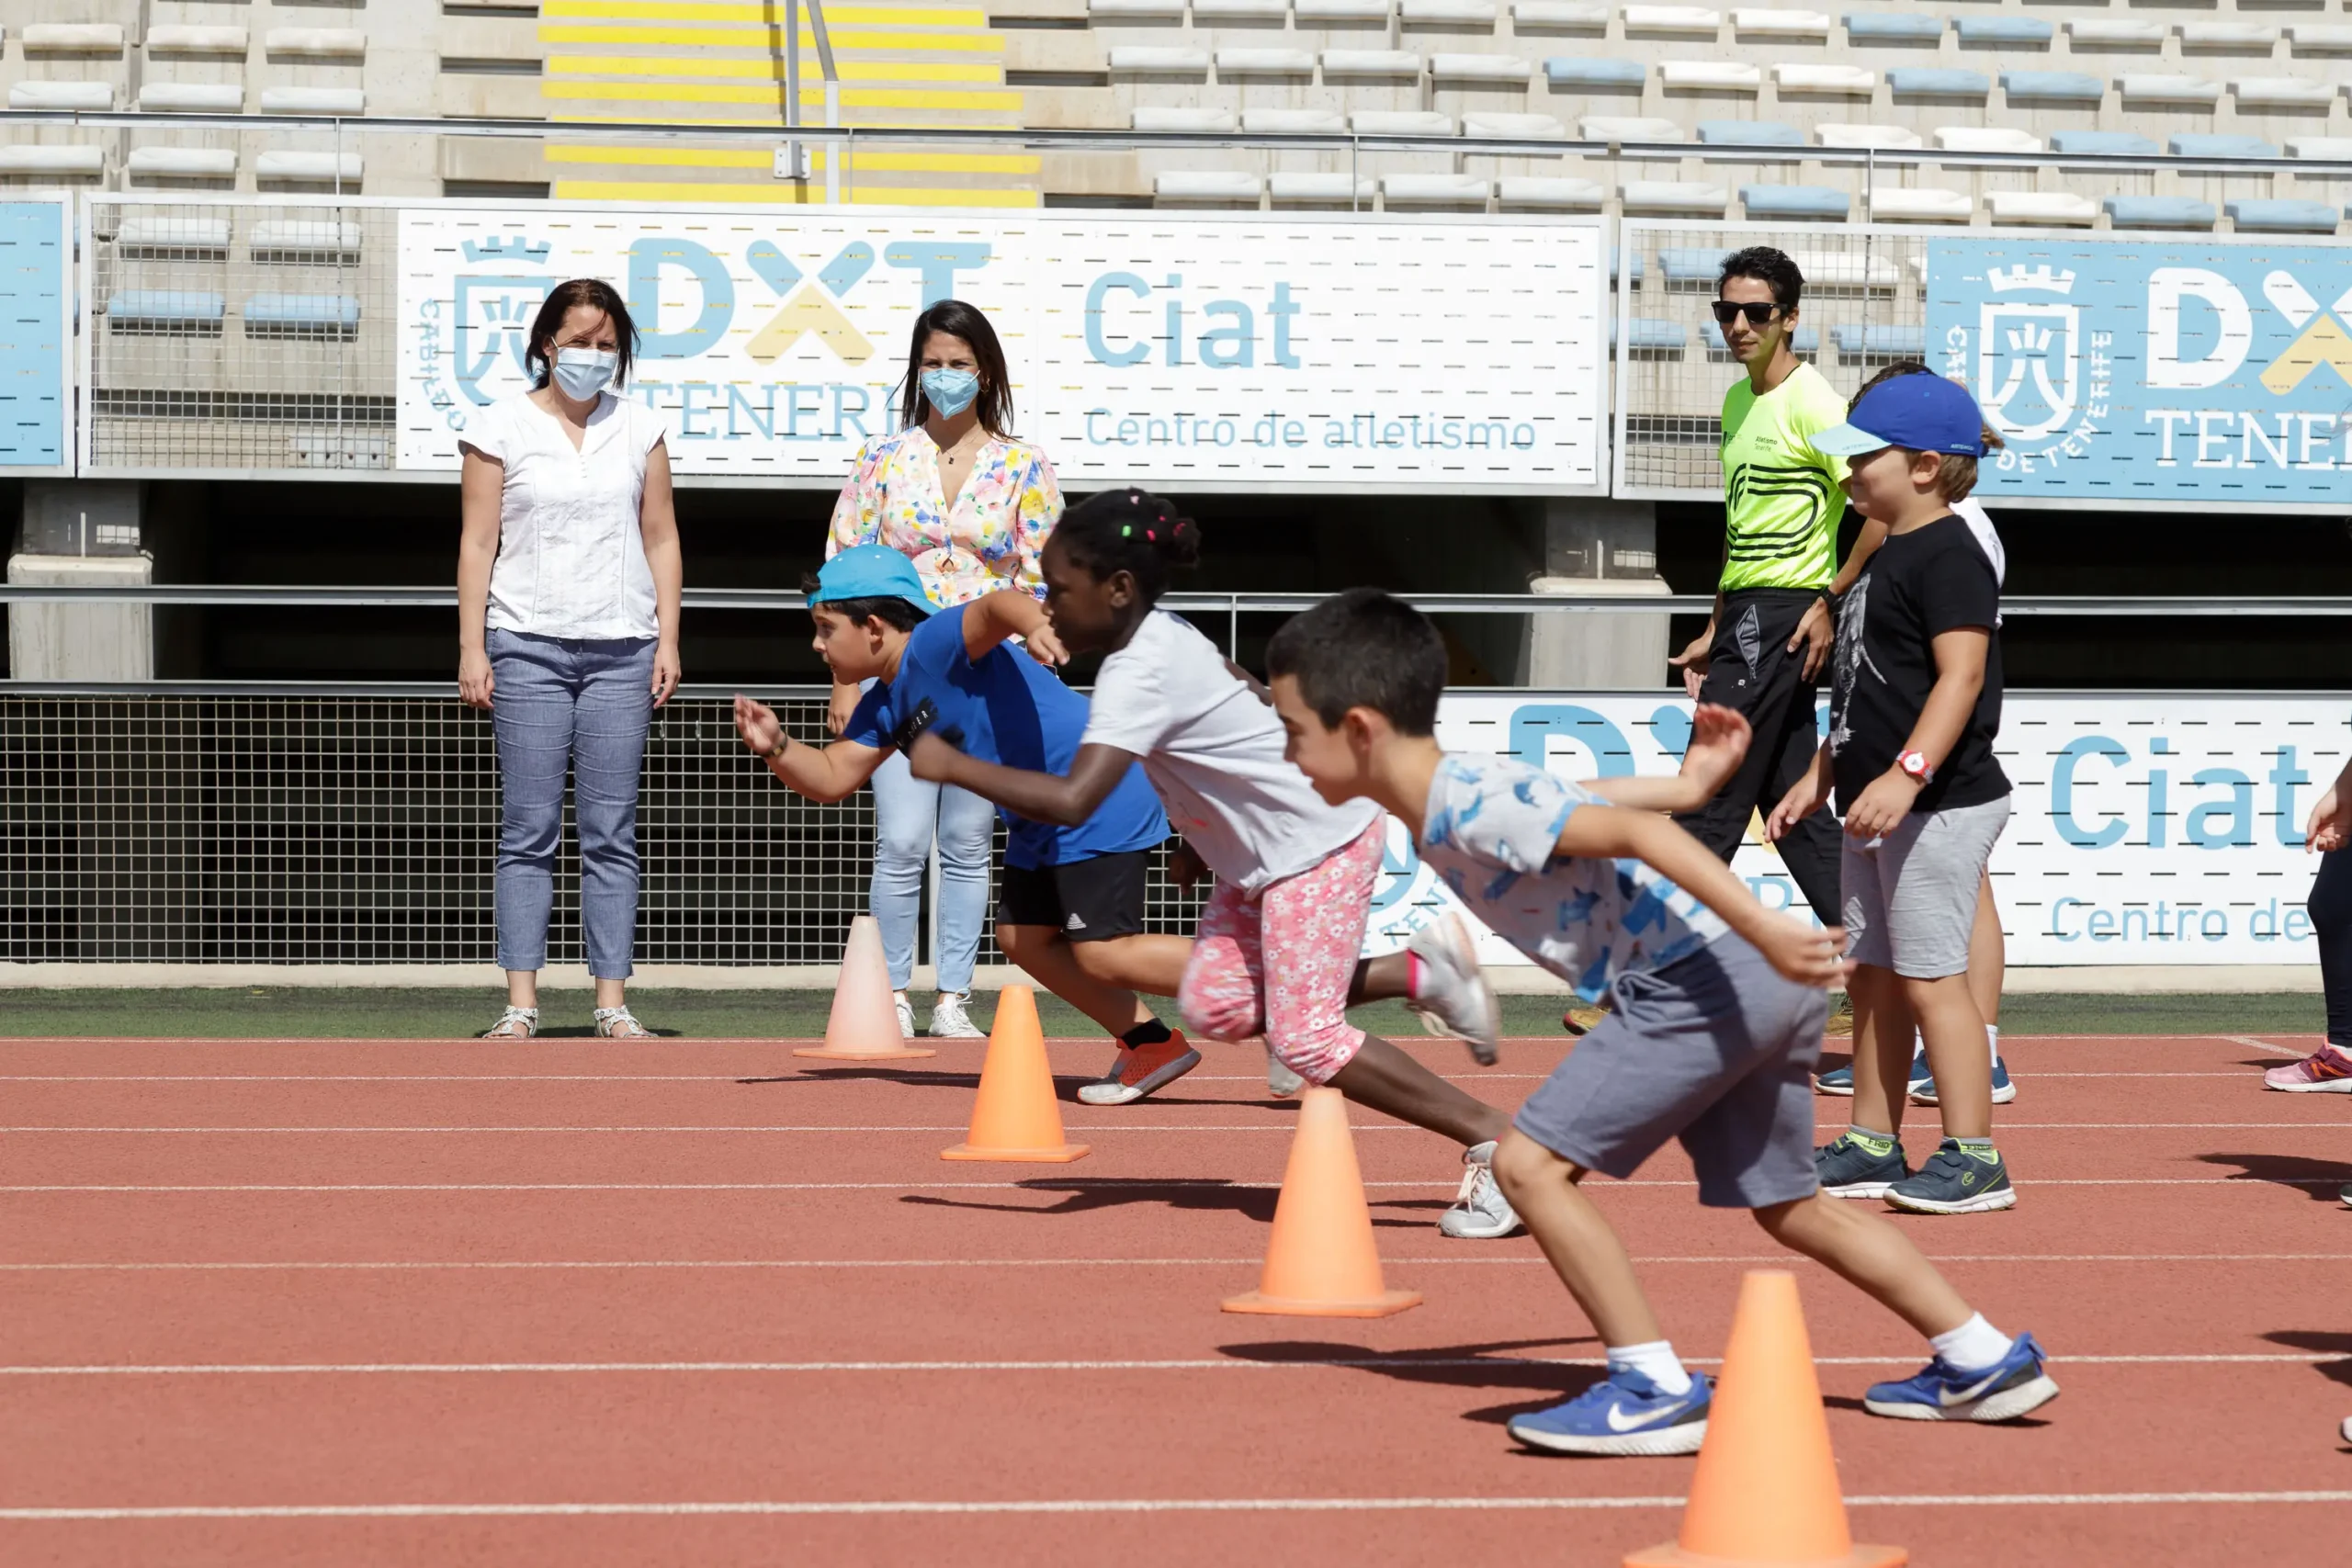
1490,830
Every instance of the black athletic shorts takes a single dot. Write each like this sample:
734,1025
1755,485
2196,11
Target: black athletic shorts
1086,900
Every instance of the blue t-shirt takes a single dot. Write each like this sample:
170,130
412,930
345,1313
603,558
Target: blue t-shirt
1010,709
1491,830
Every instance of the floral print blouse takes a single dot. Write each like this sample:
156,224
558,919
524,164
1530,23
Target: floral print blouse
989,538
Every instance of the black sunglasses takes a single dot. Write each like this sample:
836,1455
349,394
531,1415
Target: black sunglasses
1757,313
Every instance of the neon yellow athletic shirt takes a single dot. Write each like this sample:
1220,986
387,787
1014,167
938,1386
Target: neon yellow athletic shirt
1781,499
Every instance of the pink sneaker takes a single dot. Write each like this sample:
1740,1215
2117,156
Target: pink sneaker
2327,1070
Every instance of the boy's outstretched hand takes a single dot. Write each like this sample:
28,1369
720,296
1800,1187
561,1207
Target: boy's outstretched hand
758,724
1809,955
1719,741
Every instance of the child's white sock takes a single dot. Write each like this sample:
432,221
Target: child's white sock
1993,1041
1972,1346
1655,1361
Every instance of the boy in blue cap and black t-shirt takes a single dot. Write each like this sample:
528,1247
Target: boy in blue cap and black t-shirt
1915,704
1070,906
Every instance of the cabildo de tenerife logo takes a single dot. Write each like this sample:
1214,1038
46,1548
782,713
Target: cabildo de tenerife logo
751,340
2147,369
2042,381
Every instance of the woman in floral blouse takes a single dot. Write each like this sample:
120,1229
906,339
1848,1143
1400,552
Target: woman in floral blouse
971,506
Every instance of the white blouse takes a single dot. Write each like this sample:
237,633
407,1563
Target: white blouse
571,550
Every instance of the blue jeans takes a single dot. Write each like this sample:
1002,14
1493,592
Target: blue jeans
562,703
907,812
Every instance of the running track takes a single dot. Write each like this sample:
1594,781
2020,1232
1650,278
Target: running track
702,1303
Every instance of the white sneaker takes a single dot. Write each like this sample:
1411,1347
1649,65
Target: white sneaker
906,1016
950,1021
1281,1079
1454,992
1480,1211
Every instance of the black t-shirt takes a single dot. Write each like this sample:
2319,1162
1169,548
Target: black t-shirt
1919,584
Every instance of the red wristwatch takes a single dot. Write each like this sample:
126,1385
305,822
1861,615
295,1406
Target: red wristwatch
1915,766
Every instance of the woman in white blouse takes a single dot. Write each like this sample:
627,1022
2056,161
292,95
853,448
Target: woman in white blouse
568,587
970,503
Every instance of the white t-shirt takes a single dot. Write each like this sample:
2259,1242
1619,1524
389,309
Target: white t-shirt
571,550
1972,512
1214,753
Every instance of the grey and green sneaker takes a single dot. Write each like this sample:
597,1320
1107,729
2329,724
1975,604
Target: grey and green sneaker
1956,1181
1852,1166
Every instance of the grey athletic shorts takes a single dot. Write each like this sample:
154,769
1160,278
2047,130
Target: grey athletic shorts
1715,1049
1911,897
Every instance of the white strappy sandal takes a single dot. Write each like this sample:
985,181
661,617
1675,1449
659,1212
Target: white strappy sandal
515,1023
618,1023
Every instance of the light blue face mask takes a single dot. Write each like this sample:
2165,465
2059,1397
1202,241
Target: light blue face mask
950,392
584,372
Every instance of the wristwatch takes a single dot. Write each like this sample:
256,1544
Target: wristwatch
772,752
1915,766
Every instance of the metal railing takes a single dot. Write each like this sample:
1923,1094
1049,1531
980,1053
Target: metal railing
1044,138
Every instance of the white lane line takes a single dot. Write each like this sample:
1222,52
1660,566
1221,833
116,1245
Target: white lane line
2248,1040
1133,1506
1282,1126
1783,1259
356,1369
1042,1186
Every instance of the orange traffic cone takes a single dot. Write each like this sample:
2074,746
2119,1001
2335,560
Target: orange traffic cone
1016,1116
864,1024
1320,1261
1766,1491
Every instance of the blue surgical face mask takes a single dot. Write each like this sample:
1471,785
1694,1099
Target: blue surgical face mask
950,392
584,372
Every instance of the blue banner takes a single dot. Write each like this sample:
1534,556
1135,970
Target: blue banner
34,252
2152,370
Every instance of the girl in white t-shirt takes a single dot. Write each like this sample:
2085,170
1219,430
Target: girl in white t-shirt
1279,944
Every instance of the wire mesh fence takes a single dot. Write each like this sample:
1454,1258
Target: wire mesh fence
1864,307
330,829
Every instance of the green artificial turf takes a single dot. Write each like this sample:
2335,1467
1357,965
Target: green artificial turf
291,1011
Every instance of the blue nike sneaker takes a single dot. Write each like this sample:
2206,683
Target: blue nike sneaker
1840,1080
1923,1083
1624,1414
1943,1392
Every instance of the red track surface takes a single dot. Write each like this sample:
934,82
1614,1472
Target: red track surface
451,1291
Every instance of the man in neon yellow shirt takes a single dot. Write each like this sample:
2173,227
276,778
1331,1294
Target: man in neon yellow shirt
1772,630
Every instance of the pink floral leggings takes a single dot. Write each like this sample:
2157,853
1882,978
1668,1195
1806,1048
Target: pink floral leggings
1281,962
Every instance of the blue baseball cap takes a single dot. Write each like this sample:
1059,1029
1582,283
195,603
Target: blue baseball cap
871,571
1920,413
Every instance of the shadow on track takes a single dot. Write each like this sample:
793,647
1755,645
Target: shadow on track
2318,1178
1483,1366
2323,1342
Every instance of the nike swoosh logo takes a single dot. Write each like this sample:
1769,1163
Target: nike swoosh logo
1618,1424
1970,1394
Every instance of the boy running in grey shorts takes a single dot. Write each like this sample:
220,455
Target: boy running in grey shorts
1713,1039
1915,704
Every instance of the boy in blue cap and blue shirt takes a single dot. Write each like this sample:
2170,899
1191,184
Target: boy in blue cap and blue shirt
1070,904
1914,705
1715,1029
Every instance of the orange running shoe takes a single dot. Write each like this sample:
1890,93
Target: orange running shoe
1141,1069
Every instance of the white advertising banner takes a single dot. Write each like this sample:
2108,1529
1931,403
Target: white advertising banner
1213,353
2146,830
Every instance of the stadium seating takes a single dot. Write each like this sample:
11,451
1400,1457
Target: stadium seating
2166,81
